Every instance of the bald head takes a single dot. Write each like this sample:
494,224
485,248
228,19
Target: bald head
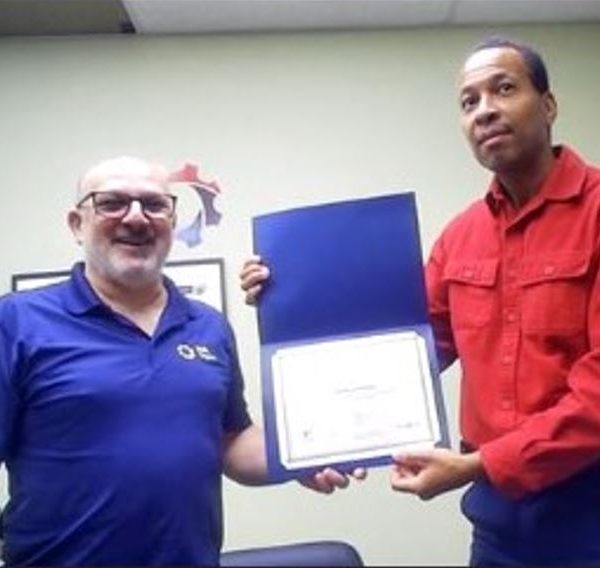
116,168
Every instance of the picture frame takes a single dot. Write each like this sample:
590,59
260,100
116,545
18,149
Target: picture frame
30,280
202,280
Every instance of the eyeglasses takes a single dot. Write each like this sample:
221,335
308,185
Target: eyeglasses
116,205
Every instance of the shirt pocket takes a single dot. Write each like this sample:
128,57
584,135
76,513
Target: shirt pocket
556,292
471,292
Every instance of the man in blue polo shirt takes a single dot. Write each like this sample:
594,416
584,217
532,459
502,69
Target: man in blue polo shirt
121,401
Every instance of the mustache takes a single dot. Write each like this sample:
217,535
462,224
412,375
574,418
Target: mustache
133,235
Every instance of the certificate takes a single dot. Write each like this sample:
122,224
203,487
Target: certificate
353,399
348,367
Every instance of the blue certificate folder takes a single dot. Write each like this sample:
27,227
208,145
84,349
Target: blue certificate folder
339,271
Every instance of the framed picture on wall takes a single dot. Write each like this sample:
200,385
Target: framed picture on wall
200,280
197,279
31,280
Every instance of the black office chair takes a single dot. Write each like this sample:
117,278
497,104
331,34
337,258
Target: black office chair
319,553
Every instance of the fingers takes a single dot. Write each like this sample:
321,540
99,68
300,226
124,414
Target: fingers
252,260
329,479
323,483
413,459
404,485
407,473
335,478
359,473
252,278
318,483
404,480
252,294
253,272
425,474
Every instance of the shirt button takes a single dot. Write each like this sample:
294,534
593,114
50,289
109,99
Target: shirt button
511,317
506,359
549,270
468,273
505,404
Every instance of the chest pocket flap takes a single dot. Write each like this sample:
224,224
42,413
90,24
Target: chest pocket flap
556,267
471,292
475,272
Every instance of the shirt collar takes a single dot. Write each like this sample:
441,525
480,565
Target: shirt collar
179,308
80,297
564,182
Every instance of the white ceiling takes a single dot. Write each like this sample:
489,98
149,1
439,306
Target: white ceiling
196,16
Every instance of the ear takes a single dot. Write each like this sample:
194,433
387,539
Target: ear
75,222
550,107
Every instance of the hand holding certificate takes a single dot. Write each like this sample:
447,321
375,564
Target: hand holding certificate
349,375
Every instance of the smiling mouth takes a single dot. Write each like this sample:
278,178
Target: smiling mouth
134,243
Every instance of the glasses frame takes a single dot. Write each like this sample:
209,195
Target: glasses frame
93,194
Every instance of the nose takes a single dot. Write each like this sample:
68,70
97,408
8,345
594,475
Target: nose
486,111
135,213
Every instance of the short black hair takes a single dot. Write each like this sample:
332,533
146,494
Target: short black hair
533,60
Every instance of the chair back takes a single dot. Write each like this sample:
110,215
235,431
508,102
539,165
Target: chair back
319,553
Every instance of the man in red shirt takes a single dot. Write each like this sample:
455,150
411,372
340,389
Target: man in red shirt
513,295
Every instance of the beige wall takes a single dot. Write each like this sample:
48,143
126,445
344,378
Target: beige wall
281,121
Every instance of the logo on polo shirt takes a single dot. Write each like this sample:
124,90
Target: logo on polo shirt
191,352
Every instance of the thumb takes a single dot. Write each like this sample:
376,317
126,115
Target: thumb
412,459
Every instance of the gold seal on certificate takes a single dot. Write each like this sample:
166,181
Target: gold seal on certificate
353,399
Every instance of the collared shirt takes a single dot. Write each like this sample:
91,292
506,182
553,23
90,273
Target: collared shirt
113,440
514,295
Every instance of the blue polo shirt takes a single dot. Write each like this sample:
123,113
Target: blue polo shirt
113,440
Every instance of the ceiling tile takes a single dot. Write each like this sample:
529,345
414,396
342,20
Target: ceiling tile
62,17
521,11
189,16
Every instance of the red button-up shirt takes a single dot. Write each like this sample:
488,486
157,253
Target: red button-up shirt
514,294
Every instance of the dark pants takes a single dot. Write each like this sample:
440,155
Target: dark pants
556,527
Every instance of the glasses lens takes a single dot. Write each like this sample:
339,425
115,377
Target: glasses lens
158,206
111,204
116,205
